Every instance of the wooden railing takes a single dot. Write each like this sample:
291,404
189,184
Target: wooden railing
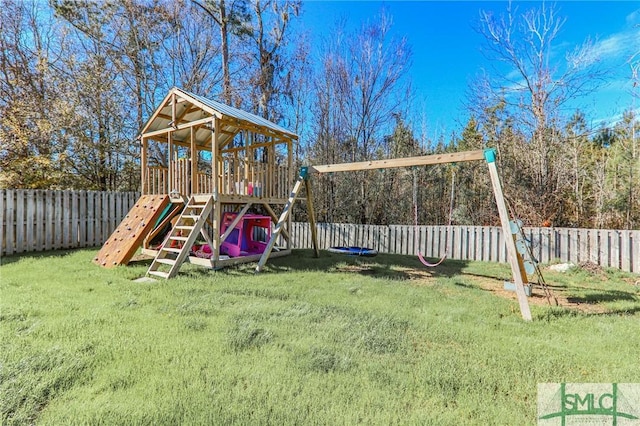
237,177
157,179
257,179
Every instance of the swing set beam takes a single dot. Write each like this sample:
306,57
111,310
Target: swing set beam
489,155
424,160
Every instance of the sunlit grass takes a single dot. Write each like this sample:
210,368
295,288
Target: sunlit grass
329,340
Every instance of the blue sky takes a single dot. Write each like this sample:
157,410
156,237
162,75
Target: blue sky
447,56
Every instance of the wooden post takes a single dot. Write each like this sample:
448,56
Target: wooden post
215,131
287,184
174,116
312,217
171,172
512,253
143,166
194,164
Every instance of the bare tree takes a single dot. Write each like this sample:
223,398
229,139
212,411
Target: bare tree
232,18
131,34
270,28
361,86
535,84
193,52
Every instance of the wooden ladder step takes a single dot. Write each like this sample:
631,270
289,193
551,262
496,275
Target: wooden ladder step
195,217
171,249
159,274
200,199
166,261
178,238
188,227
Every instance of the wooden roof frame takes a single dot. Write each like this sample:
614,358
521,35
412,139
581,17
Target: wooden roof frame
180,111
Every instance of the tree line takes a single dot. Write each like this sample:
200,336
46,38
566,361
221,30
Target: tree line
78,80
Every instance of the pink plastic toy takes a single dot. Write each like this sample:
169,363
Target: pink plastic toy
250,235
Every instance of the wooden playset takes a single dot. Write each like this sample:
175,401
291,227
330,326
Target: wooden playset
205,165
205,158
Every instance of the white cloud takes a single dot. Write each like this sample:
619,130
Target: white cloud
612,120
618,45
633,18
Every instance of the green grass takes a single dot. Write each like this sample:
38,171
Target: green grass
309,341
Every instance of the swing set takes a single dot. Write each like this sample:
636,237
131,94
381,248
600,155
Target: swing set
489,155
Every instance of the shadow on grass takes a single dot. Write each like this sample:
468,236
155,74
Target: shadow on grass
386,266
558,312
603,296
7,260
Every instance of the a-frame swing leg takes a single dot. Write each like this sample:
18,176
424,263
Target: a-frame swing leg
512,253
312,218
283,219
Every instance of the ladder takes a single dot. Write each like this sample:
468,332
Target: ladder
177,245
526,259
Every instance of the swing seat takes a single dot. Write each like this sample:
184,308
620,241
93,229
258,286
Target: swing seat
415,216
431,265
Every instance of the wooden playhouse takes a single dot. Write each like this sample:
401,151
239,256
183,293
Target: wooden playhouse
199,159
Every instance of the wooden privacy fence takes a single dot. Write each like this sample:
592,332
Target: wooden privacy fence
37,220
608,248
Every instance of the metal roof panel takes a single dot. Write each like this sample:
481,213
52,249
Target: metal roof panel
238,113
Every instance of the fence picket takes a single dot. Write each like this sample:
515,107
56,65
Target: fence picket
614,251
48,221
2,222
9,223
40,223
73,234
82,223
603,253
30,220
66,220
19,221
572,242
635,252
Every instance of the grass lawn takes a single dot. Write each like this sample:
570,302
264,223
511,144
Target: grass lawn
333,340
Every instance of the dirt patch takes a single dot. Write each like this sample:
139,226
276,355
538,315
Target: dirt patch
557,297
376,270
591,267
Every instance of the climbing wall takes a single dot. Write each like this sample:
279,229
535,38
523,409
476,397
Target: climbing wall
128,236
